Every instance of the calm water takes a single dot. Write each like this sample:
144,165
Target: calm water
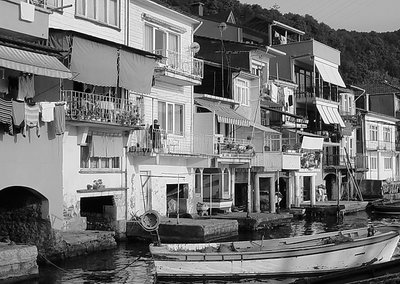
131,261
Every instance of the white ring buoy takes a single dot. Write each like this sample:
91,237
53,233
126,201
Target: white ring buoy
150,220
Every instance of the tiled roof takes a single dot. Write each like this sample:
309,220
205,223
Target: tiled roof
380,88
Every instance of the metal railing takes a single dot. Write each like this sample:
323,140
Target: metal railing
381,145
51,4
101,108
182,63
357,162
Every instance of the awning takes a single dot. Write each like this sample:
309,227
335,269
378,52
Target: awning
31,62
330,114
265,128
224,113
312,143
330,74
299,132
136,72
94,63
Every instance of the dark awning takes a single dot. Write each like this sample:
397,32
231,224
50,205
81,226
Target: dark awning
136,72
224,113
94,63
31,62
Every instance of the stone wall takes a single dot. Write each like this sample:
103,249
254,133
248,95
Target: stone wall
26,226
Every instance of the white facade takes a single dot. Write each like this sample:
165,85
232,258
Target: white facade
380,147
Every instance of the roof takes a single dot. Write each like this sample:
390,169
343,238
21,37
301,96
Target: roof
380,88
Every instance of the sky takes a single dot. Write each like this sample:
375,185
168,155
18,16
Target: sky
357,15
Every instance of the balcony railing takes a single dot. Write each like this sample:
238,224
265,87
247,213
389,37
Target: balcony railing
182,63
51,4
356,162
101,108
380,145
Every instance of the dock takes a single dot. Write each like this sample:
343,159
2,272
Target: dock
18,262
185,230
255,221
330,208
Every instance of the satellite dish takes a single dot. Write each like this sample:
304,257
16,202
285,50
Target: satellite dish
222,26
195,47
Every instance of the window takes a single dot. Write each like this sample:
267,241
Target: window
162,42
257,68
373,162
103,11
242,92
171,117
373,132
90,162
386,134
387,163
272,142
303,80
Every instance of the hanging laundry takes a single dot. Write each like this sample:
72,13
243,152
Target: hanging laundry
59,119
26,87
6,115
47,110
274,93
32,117
18,115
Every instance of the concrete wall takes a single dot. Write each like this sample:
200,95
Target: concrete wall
69,21
76,178
35,162
155,179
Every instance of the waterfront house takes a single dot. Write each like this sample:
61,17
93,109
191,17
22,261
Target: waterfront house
30,144
379,108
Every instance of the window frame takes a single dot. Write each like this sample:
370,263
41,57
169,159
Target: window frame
166,40
387,163
167,123
373,162
387,134
242,91
96,16
273,142
90,162
373,132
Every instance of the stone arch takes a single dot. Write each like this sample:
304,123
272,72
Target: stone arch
331,185
18,197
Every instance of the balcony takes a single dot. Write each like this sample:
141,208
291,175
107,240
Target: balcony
379,145
31,25
157,141
179,69
276,161
358,162
101,109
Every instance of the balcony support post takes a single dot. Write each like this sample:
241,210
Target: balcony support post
257,194
272,194
249,193
312,191
297,191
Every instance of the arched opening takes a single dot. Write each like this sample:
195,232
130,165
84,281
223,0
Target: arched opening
19,197
24,217
331,186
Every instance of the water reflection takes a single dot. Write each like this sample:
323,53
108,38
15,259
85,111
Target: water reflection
131,261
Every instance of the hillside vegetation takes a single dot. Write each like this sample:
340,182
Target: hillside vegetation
365,57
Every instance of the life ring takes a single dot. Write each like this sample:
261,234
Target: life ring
150,220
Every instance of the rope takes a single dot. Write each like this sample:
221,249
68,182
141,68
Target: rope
78,276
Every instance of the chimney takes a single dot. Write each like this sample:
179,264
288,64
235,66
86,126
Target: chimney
198,8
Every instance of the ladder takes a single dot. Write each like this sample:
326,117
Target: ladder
351,174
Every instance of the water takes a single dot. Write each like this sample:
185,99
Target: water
131,261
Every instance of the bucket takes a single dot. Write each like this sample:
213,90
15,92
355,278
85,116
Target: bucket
150,220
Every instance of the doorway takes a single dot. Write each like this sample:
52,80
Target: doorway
241,196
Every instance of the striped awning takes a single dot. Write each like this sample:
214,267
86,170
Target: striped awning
330,74
31,62
224,113
330,114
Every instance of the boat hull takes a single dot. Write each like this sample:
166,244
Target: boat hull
300,261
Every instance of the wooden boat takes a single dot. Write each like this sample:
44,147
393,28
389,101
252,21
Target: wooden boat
386,207
303,255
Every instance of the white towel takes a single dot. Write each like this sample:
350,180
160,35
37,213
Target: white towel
47,109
